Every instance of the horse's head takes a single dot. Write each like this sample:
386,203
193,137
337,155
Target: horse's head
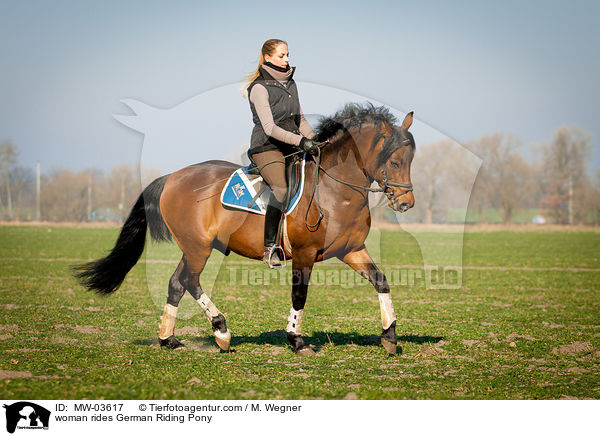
393,164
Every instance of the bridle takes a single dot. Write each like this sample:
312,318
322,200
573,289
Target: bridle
384,185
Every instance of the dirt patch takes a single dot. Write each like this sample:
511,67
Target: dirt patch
87,329
514,336
9,328
64,341
578,370
574,348
552,325
275,351
469,342
430,350
5,337
194,331
14,374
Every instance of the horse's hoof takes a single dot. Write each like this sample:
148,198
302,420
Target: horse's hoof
223,339
306,352
390,347
172,343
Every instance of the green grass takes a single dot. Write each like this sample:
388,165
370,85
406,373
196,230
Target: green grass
524,324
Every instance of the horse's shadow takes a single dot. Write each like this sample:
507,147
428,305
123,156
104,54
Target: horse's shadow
317,340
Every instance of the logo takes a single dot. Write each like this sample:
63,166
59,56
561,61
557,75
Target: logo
26,415
238,190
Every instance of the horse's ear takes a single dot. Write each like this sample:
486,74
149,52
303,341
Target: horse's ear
408,119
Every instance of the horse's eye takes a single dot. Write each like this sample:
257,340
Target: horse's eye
395,164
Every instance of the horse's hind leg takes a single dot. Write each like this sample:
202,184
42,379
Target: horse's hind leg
191,283
166,335
361,262
186,278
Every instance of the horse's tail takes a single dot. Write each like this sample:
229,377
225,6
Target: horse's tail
106,275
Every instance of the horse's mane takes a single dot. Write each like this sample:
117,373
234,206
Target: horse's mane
351,115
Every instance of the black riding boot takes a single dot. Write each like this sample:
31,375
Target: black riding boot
272,221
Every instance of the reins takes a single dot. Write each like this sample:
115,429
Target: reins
384,185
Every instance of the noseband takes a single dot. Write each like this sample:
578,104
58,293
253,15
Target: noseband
385,184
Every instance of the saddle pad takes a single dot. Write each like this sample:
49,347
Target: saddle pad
241,188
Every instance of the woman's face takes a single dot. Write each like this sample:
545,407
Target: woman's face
280,57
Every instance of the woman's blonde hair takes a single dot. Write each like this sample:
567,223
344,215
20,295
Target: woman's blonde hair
268,48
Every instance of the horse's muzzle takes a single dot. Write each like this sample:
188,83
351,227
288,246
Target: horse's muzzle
402,203
400,207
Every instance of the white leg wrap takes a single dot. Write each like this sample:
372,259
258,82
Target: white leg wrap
295,321
167,324
208,306
387,310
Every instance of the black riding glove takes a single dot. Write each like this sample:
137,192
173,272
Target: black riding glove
309,146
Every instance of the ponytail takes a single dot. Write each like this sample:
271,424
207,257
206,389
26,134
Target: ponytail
268,48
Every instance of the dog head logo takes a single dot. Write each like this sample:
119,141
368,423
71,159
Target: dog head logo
26,415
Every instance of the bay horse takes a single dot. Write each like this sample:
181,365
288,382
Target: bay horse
363,144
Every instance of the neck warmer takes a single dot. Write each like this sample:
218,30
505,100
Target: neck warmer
275,67
278,73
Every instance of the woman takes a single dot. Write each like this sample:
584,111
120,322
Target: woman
279,129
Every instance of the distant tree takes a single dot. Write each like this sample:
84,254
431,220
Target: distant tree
504,177
587,200
93,191
121,189
65,195
8,155
428,174
22,180
148,175
564,161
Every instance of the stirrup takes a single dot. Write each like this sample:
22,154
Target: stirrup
272,249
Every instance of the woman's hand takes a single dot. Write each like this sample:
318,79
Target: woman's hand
309,146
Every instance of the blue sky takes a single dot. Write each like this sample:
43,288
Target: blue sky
466,68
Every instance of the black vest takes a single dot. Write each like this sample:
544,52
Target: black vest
285,107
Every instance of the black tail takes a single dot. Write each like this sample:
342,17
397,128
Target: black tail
106,275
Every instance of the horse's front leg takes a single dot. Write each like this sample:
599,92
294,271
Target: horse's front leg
361,262
301,270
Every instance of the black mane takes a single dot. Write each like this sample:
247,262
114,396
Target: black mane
352,115
355,115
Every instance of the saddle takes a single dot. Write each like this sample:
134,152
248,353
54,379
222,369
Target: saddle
246,190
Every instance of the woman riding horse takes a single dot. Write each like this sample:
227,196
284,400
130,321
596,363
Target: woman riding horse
365,145
279,129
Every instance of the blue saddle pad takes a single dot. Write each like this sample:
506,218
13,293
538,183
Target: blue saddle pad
242,187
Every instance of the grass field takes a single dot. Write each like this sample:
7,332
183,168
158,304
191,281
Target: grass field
525,324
